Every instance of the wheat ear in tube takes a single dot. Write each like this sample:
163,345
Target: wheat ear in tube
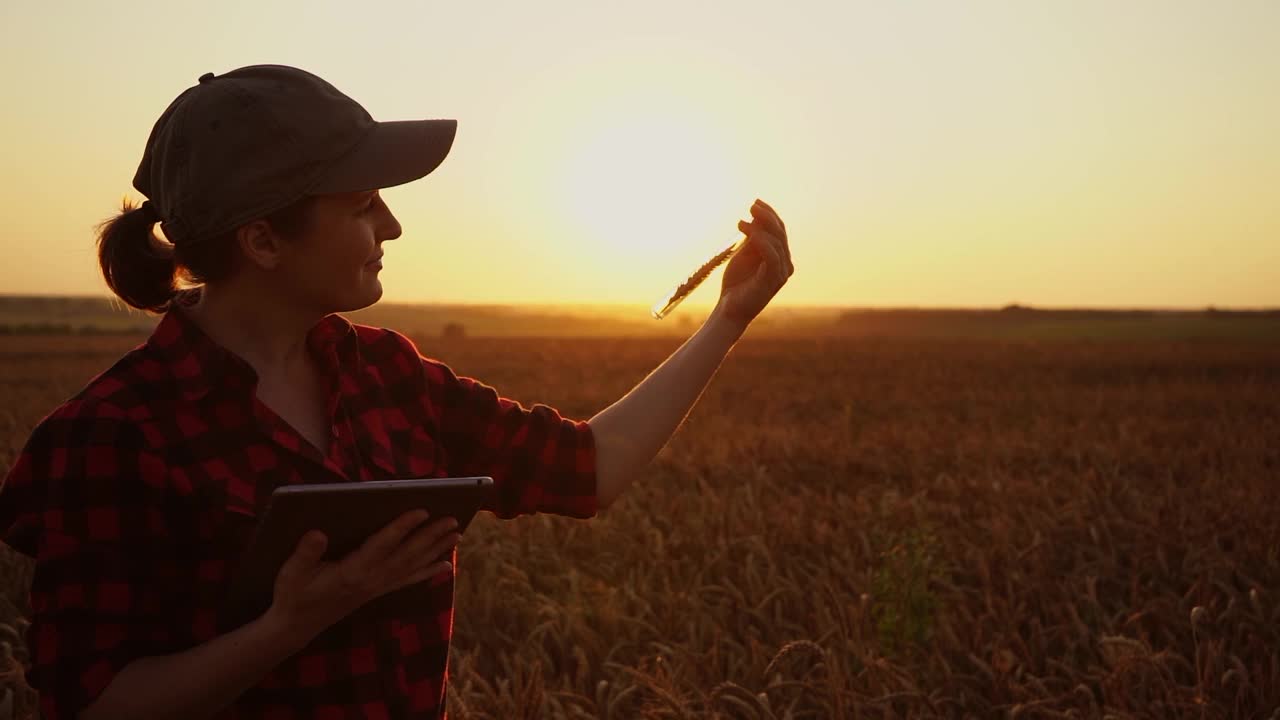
668,302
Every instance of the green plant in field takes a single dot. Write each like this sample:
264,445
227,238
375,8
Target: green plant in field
904,601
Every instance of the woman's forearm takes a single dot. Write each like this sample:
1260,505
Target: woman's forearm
202,681
630,432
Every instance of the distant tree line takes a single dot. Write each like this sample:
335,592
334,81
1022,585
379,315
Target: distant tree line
1017,312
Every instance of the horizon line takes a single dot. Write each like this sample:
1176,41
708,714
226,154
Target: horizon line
705,307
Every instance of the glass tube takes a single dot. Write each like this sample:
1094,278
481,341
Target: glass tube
668,302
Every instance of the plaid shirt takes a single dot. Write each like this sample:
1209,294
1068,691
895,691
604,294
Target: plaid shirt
138,496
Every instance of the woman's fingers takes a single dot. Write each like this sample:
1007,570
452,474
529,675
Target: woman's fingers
768,207
764,216
756,241
769,250
762,210
384,542
424,573
305,557
428,543
444,546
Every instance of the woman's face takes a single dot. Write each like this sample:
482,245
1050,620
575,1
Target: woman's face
333,267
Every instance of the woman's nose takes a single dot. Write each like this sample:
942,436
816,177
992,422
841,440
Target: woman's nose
389,228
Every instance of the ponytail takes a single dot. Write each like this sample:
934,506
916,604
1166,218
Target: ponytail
139,267
150,274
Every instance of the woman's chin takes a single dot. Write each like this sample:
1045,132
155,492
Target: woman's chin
368,292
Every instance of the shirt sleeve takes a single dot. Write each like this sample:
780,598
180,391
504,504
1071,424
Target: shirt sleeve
539,460
81,500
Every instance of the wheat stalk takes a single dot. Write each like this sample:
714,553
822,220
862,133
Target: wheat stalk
669,301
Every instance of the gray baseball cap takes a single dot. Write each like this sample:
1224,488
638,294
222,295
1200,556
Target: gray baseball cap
240,145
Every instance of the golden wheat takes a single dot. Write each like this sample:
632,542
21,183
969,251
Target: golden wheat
847,528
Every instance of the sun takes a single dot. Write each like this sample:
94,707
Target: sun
652,191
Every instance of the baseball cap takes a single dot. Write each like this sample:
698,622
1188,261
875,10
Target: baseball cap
240,145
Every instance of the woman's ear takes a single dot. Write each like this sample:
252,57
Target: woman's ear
260,244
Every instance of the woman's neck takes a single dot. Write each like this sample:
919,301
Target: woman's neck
266,333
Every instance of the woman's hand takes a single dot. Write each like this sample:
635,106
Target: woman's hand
311,594
758,271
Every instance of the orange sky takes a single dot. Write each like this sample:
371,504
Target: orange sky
929,154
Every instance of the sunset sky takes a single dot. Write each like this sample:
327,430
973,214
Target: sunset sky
925,154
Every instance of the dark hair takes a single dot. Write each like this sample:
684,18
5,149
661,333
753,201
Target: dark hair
149,273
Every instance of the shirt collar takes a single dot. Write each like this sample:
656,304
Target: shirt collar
198,363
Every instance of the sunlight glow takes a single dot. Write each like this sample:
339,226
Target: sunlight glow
1068,154
651,190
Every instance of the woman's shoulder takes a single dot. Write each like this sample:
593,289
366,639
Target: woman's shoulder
391,351
375,338
93,417
79,447
107,413
115,393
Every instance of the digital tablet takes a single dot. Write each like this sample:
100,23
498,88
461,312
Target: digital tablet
347,513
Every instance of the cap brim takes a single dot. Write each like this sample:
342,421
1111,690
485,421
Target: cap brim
392,153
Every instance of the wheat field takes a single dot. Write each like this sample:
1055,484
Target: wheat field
860,528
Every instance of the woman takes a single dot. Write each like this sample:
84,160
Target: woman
136,497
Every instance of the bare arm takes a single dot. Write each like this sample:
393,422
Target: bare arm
631,431
202,681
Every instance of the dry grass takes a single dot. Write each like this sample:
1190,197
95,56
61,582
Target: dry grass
868,528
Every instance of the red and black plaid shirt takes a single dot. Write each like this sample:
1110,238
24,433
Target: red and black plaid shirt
138,496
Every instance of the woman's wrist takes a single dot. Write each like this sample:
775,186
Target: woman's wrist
290,631
727,325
